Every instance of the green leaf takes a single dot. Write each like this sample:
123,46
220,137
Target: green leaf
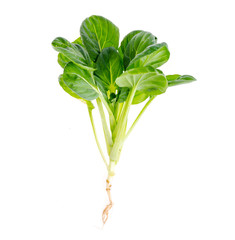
159,71
144,79
137,45
176,79
79,41
109,67
122,94
80,81
126,40
155,55
62,60
101,87
73,52
72,93
139,97
98,33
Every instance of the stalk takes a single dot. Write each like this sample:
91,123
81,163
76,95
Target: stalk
96,138
118,110
140,114
111,116
119,136
120,130
107,135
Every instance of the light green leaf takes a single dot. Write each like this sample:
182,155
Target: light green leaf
139,97
109,67
98,33
79,41
72,93
73,52
62,60
154,55
176,79
144,79
80,81
137,45
126,40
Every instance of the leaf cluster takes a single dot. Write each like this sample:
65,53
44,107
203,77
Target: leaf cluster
96,64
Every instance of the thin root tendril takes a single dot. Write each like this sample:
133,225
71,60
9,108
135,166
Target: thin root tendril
105,214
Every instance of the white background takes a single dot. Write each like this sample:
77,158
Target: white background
175,179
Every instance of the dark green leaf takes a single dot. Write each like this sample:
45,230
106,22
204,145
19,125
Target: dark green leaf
80,81
112,97
154,55
137,45
144,79
126,40
98,33
159,71
101,87
72,93
122,94
73,52
109,67
62,60
176,79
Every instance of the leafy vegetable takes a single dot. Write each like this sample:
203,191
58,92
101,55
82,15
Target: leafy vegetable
80,81
155,55
74,52
109,66
144,79
137,45
98,33
126,40
176,79
96,67
72,93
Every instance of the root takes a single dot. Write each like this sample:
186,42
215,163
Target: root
105,214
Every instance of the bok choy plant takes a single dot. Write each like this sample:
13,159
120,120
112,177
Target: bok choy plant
96,67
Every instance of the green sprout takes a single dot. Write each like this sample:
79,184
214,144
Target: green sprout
96,67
